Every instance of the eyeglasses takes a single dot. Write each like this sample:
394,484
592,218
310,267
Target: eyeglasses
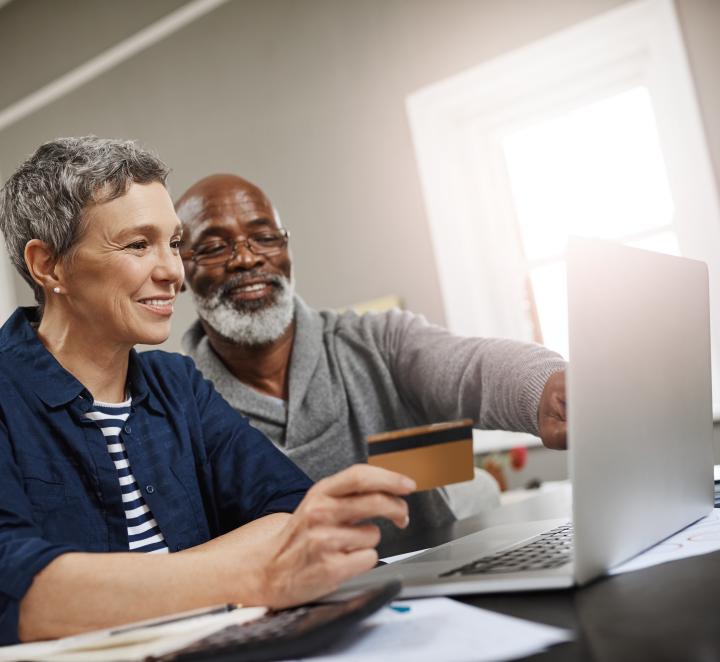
219,251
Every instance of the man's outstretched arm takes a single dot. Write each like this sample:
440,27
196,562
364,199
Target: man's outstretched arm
502,384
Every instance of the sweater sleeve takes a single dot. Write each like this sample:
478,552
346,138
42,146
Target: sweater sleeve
496,382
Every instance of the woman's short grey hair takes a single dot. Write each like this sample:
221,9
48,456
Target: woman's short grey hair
45,198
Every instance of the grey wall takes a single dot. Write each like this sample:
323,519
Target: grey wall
306,97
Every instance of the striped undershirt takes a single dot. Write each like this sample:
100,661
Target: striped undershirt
144,534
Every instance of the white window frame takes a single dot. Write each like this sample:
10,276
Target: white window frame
458,125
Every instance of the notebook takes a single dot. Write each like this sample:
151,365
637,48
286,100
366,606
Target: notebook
639,433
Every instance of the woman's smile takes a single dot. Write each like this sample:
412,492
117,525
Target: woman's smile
158,305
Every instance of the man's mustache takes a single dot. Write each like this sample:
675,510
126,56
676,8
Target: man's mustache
241,279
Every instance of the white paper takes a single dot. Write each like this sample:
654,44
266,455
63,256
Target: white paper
700,538
400,557
436,629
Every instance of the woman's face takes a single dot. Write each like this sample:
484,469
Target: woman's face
122,280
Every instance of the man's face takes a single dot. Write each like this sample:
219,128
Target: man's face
247,298
231,213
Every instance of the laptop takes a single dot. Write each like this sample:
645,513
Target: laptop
639,433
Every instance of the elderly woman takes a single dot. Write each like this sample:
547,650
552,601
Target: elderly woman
110,459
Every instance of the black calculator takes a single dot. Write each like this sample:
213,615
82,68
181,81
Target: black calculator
287,633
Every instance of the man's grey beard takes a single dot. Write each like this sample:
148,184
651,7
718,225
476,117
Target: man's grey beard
248,323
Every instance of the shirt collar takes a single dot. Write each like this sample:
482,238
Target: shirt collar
54,385
307,349
139,389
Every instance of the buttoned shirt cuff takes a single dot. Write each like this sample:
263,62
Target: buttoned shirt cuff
288,503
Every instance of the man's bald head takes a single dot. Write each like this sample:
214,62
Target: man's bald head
217,190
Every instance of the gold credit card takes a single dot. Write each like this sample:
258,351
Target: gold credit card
432,455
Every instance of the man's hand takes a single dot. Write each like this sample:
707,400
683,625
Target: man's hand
328,540
552,413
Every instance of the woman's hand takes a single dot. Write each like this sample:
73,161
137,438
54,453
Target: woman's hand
327,540
278,560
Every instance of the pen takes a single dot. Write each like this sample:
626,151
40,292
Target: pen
175,618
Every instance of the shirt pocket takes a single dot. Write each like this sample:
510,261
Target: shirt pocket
60,509
45,488
180,513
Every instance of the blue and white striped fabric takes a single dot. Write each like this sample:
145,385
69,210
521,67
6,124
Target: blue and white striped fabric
144,534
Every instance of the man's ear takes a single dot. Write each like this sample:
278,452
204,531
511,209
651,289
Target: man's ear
42,265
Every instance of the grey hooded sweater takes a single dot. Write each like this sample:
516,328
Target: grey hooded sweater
351,376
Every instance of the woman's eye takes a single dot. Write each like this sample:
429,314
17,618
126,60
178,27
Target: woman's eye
137,245
175,244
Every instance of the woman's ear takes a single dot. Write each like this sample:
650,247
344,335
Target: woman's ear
41,263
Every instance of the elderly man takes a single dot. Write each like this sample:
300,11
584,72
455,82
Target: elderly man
318,382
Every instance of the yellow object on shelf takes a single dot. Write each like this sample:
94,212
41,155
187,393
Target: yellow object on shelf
375,305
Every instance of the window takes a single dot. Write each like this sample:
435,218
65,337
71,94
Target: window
592,131
595,171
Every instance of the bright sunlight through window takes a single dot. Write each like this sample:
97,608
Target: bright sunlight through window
597,171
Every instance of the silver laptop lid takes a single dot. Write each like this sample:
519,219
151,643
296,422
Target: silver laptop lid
639,399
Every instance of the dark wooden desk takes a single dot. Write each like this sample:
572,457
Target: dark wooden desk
667,612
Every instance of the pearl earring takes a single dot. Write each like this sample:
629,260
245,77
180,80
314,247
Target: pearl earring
56,290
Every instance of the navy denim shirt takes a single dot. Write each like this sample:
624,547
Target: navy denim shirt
202,468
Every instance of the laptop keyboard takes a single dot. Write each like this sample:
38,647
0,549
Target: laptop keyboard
549,550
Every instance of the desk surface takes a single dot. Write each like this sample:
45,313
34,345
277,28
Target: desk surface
667,612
